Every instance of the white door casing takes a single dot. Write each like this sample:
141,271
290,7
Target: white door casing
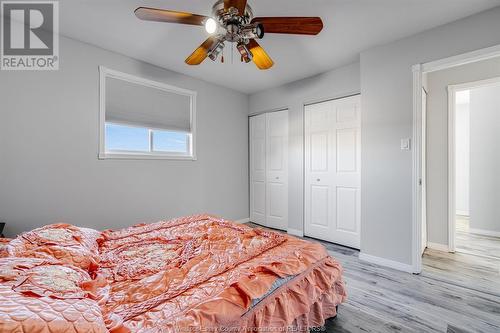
423,179
332,195
277,169
258,169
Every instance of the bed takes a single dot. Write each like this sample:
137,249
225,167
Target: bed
196,273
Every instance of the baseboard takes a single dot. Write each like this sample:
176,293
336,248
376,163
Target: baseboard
295,232
243,221
483,232
387,263
438,247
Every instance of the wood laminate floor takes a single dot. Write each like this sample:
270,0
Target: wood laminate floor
455,293
471,243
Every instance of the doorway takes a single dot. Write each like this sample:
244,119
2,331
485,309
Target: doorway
474,116
438,233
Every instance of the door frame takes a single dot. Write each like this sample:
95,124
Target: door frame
452,91
418,71
304,105
423,179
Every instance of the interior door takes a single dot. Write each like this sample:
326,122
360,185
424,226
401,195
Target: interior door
332,171
258,169
277,169
423,179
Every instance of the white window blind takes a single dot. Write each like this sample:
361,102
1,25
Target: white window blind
130,103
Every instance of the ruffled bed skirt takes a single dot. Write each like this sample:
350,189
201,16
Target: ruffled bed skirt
306,301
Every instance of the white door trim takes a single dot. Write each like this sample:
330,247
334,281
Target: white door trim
451,168
462,59
452,91
328,99
284,108
418,72
417,169
423,178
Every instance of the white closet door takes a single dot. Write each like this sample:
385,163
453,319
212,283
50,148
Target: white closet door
277,170
258,169
332,171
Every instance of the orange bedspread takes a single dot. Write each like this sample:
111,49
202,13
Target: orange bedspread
195,273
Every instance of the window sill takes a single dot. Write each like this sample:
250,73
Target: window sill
140,156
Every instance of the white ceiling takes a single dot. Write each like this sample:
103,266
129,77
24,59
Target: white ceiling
350,27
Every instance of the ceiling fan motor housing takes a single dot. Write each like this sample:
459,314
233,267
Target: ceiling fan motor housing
238,27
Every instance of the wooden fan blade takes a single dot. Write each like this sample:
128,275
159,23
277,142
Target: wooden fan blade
201,52
238,4
260,57
170,16
290,25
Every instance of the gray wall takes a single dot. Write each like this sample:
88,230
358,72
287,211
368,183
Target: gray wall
337,83
437,139
485,159
49,169
387,95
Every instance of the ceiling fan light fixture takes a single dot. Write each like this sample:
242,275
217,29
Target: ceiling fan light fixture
255,30
215,50
245,53
210,25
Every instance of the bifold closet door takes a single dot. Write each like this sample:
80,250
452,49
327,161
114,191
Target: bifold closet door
269,169
258,169
277,170
332,195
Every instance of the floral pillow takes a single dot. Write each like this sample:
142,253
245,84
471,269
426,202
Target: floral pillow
68,244
48,278
40,295
54,281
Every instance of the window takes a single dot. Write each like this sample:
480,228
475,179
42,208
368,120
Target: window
142,119
173,142
126,138
122,138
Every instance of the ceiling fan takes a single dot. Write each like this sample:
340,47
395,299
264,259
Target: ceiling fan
233,22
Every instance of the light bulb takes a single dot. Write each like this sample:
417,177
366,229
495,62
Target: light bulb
210,25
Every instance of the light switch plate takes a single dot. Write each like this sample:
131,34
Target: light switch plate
406,144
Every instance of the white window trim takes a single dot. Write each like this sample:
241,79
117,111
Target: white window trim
103,154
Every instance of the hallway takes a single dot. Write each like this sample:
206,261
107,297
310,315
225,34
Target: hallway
475,244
